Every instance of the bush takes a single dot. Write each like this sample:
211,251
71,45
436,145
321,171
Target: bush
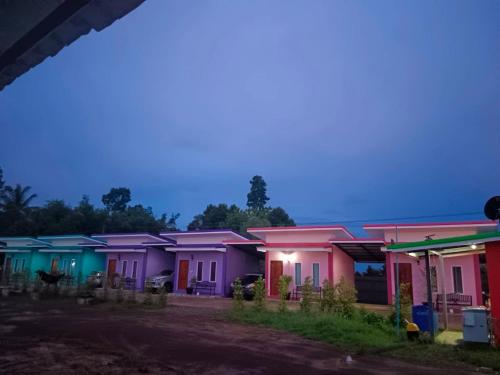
372,318
307,295
148,297
162,299
238,295
283,285
328,299
345,298
405,302
260,295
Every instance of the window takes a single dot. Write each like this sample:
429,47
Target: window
298,274
457,279
434,284
22,264
316,275
16,265
134,269
124,268
199,272
213,271
65,266
72,266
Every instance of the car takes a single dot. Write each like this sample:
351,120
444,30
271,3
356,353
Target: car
248,282
96,279
163,280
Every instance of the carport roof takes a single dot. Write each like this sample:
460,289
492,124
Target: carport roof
442,244
363,250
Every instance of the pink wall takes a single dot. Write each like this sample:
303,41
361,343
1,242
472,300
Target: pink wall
470,276
306,258
343,265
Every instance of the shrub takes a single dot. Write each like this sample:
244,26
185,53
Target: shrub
119,294
238,295
162,299
405,302
148,297
372,318
283,285
328,299
260,294
345,298
307,295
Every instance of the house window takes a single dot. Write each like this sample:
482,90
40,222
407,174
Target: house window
199,272
124,268
316,275
134,269
457,279
65,266
298,274
213,271
434,284
16,265
22,264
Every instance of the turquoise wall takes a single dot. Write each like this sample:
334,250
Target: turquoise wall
84,262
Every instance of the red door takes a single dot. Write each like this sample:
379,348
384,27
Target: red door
54,268
405,276
182,281
276,272
111,271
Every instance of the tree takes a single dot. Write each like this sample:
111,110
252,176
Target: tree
2,182
117,199
257,198
279,218
16,199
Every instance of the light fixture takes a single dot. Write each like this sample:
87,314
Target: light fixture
473,246
413,254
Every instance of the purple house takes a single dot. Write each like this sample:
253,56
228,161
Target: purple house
216,256
136,255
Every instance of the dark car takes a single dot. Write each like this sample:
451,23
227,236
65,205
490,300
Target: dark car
248,282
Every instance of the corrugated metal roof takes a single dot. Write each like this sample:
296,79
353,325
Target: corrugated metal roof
48,27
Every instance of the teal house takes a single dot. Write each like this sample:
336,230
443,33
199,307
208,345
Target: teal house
72,255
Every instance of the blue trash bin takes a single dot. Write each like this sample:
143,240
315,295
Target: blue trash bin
420,315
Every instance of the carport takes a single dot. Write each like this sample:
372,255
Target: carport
487,243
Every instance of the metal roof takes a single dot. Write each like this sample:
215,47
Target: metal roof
31,31
362,250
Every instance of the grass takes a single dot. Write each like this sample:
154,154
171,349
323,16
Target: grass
369,333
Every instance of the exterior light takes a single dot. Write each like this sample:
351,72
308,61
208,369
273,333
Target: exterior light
473,246
413,254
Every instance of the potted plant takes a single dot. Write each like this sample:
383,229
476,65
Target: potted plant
192,284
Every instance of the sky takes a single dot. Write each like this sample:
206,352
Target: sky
350,110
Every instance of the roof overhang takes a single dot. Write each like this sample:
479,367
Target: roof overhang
153,239
60,250
362,250
334,229
121,250
207,232
463,244
2,250
194,249
33,31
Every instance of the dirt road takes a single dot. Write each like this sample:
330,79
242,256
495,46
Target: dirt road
59,337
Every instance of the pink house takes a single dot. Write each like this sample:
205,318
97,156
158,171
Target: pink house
460,274
320,252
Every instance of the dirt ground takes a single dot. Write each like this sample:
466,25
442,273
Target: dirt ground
60,337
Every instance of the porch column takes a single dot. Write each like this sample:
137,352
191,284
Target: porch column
267,274
388,275
492,264
429,292
330,266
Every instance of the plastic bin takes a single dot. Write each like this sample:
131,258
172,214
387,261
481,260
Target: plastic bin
475,324
420,315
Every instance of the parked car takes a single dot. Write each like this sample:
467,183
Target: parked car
163,280
248,282
96,279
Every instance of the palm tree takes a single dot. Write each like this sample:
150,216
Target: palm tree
16,199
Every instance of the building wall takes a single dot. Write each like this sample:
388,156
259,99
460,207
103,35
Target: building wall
130,258
470,276
92,262
239,262
343,265
159,260
206,257
306,258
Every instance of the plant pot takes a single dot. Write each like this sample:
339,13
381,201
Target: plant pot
189,290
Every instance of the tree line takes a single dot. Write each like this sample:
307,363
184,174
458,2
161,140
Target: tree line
19,218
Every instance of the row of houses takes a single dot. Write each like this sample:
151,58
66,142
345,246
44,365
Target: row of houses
219,256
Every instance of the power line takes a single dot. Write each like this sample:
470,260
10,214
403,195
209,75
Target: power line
392,218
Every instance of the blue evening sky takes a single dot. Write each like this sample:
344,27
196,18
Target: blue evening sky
351,110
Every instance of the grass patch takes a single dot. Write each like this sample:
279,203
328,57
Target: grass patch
369,333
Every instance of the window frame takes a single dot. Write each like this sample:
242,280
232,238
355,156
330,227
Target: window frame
453,267
123,272
298,280
215,272
315,285
135,265
198,276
